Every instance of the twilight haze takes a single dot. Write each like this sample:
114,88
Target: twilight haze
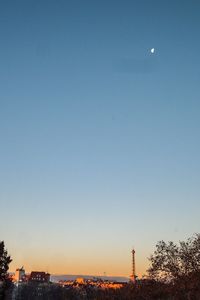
99,138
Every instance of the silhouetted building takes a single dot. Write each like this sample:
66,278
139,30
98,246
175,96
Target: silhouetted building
39,277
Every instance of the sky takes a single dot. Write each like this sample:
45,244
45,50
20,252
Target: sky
99,137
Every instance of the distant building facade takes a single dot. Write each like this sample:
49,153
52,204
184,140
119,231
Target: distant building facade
80,280
40,277
92,283
19,274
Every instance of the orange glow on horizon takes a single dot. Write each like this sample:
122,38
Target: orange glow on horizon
96,263
58,268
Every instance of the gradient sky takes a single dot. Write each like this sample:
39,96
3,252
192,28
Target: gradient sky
99,138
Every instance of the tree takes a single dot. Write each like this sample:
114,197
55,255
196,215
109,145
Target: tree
5,260
177,264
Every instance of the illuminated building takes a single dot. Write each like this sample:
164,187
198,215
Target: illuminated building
19,274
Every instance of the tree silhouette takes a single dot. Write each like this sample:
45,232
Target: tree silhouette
5,260
178,265
171,261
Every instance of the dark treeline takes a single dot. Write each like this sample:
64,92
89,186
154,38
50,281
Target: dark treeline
145,290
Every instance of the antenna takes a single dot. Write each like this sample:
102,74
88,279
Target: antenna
133,276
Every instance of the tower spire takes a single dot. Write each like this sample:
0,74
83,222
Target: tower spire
133,276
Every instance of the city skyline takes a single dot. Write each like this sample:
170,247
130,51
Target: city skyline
99,134
20,271
132,276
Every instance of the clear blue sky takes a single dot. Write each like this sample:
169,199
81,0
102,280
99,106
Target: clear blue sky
99,138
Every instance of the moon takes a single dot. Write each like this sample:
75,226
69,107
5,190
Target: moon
152,50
